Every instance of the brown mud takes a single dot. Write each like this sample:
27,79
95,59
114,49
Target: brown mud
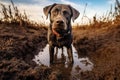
17,49
102,46
20,44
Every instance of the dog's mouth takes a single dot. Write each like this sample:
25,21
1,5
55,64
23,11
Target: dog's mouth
56,33
59,32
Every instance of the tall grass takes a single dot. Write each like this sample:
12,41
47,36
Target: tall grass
12,15
111,17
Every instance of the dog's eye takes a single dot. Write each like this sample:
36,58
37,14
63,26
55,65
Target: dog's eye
65,13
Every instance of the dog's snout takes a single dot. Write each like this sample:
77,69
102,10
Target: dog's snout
59,22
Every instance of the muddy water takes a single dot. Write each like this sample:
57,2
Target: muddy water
71,71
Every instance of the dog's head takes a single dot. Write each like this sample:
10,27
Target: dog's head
60,16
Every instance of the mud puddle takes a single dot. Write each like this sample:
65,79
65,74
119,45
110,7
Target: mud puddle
70,71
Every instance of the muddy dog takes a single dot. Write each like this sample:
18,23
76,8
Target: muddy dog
60,30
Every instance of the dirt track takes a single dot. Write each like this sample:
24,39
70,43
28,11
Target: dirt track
18,45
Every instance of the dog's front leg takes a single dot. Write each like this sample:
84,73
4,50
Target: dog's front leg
51,53
70,55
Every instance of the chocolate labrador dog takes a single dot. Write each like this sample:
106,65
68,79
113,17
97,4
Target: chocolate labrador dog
60,30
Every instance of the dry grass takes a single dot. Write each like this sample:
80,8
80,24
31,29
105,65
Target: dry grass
11,15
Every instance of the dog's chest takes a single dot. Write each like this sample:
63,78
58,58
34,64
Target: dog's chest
60,42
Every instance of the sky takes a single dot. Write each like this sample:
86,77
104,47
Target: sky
34,8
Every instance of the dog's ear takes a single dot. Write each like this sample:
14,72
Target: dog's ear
75,13
47,9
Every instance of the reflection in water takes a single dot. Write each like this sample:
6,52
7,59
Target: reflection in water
62,62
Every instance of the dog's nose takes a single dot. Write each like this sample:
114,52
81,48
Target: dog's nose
59,22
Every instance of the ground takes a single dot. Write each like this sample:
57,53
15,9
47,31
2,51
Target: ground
17,49
102,46
19,44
